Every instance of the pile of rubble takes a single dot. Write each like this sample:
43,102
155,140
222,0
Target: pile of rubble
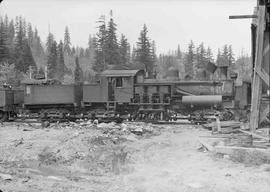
68,148
96,148
137,128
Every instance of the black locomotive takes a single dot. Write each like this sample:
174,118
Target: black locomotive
125,92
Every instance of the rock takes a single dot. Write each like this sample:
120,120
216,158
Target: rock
95,122
45,124
6,177
226,156
25,129
131,137
228,175
18,142
26,179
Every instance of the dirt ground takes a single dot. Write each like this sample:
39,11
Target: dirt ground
131,157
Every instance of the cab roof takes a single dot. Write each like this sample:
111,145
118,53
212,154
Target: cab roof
120,73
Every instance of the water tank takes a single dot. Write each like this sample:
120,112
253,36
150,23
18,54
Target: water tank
196,100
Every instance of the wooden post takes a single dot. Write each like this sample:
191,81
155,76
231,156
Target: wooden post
218,124
161,116
257,83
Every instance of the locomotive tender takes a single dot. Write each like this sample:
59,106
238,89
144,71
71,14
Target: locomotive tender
122,91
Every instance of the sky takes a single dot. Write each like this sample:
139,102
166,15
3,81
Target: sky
169,22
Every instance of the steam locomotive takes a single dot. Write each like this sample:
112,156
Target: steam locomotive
123,92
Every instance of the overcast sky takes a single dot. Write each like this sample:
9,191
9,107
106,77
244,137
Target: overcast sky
170,22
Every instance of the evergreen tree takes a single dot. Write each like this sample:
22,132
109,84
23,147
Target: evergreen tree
61,63
154,58
201,63
41,73
133,54
67,42
143,52
100,46
124,50
52,60
243,66
209,55
81,52
189,60
49,42
112,56
218,60
73,51
11,34
78,73
231,58
91,48
28,60
10,41
224,60
30,34
37,43
4,50
200,56
23,55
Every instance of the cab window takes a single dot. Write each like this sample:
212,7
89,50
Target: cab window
119,82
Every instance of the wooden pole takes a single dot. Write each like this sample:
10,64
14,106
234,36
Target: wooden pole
257,83
218,124
242,16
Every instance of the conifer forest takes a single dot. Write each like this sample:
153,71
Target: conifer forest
23,52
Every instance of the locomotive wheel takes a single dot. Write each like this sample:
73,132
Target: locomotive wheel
3,116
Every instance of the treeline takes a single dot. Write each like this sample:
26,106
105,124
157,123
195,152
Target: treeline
22,49
23,53
15,47
194,63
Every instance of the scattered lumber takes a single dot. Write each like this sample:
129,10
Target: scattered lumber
172,122
223,125
256,135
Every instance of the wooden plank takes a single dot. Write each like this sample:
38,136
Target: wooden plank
264,113
255,135
242,16
230,150
206,145
257,83
266,50
263,75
